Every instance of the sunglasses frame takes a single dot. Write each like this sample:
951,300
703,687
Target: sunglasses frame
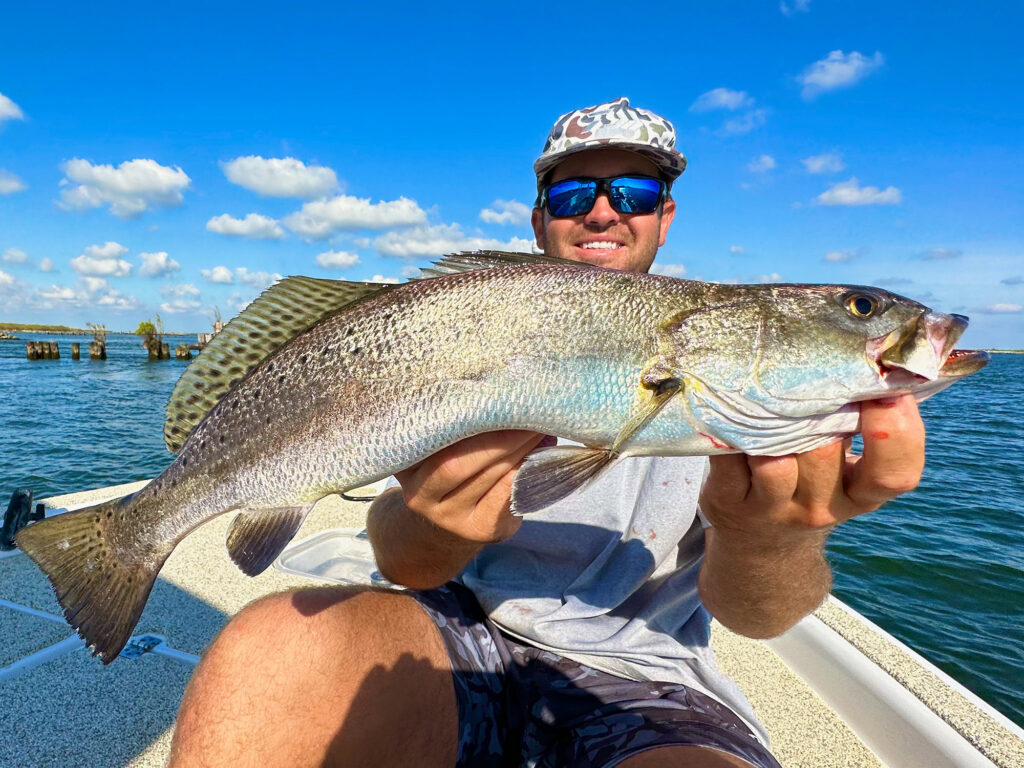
604,184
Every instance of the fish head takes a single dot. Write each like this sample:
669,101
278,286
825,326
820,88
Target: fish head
801,350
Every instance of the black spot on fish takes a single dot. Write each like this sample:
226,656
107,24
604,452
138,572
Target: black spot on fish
221,439
255,394
302,359
184,461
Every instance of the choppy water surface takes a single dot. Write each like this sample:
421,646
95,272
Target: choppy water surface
941,568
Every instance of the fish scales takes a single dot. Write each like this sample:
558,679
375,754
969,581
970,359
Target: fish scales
622,363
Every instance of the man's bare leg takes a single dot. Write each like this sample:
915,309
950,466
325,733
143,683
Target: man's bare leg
321,677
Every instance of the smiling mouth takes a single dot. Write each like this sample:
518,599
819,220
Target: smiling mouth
606,245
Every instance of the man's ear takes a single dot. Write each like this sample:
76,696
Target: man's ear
668,212
537,220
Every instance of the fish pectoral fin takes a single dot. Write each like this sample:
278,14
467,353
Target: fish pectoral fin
257,536
551,474
662,385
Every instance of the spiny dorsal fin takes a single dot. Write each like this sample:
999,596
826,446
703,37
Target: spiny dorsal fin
469,261
280,313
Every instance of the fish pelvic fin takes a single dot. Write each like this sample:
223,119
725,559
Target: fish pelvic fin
551,474
257,536
101,591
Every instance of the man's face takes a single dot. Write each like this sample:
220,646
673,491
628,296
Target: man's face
604,237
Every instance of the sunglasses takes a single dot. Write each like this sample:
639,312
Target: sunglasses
627,194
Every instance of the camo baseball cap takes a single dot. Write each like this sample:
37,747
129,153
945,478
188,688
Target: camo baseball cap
618,125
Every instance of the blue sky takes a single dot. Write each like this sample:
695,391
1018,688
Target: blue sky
179,158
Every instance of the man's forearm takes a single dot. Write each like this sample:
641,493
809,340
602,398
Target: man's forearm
409,549
759,589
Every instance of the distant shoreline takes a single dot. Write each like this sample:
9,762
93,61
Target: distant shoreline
1005,351
63,330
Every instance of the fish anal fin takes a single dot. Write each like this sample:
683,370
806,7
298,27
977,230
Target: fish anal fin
102,594
257,536
551,474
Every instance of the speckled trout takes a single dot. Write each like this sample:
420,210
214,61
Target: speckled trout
323,386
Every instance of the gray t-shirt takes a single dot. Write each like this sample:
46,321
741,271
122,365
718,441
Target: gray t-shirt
608,577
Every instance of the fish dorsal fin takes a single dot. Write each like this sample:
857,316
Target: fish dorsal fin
469,261
280,313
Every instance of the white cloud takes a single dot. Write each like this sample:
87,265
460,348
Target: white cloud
744,123
280,177
218,274
10,183
939,254
410,271
763,164
46,265
506,212
839,257
131,188
837,70
6,279
337,259
87,293
851,193
1002,309
797,6
9,110
15,256
157,264
721,98
382,279
669,270
102,261
259,280
438,240
252,227
737,249
831,162
182,298
774,277
320,219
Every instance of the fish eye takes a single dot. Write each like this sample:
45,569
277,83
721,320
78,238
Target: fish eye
861,305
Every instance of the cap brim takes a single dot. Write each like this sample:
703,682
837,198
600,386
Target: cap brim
671,163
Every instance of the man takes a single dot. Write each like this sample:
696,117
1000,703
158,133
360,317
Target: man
577,637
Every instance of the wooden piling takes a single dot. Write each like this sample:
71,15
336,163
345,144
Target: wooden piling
42,350
97,350
76,352
182,352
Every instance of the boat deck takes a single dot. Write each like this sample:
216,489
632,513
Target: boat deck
62,707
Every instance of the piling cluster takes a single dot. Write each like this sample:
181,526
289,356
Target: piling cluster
42,350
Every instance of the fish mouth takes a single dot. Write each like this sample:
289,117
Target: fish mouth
922,350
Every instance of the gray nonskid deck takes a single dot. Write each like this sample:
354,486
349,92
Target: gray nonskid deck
71,710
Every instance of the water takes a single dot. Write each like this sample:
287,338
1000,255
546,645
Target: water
942,568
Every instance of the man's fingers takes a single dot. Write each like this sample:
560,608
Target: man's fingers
448,469
729,477
893,456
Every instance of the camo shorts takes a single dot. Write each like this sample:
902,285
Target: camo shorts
523,706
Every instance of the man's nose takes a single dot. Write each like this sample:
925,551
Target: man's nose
602,214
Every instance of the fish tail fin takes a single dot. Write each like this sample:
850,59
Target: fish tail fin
101,590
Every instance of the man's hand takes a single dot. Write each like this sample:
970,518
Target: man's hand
770,516
451,505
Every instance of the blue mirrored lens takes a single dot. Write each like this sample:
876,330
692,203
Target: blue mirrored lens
571,198
635,195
